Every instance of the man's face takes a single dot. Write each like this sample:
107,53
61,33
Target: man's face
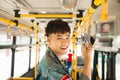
59,43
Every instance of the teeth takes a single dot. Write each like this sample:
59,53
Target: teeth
64,48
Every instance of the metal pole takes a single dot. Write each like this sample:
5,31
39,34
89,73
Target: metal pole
103,66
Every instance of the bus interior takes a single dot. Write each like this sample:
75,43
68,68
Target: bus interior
23,41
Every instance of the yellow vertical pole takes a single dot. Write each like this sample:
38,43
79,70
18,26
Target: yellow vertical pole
104,9
37,47
74,60
84,26
77,25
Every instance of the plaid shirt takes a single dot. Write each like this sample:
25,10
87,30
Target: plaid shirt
50,68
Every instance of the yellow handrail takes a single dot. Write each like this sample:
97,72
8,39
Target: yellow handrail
48,15
22,78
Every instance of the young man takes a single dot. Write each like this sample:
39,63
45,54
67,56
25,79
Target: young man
58,37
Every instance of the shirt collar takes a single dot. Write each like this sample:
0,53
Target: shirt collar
53,56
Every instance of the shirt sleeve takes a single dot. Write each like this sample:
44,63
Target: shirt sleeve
83,77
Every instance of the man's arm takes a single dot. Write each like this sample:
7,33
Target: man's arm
87,50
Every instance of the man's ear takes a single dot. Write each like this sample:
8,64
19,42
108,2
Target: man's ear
48,39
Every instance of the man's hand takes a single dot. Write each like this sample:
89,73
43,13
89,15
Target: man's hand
87,49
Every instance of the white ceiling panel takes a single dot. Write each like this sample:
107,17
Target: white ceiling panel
43,3
39,6
83,4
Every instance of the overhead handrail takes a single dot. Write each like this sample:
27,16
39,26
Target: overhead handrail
11,23
91,10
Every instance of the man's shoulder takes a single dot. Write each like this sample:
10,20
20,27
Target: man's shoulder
47,62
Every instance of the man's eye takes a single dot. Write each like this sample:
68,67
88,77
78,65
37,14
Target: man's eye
59,38
68,38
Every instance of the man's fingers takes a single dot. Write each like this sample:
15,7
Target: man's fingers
87,45
83,44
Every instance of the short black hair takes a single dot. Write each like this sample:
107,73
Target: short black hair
57,26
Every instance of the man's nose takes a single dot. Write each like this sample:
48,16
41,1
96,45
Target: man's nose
65,41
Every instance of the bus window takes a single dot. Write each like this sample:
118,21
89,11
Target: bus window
23,40
33,40
5,63
33,56
4,40
42,51
21,61
117,66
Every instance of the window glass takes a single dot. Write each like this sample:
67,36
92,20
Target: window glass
23,40
42,52
100,64
118,66
33,56
5,63
33,41
21,61
4,40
